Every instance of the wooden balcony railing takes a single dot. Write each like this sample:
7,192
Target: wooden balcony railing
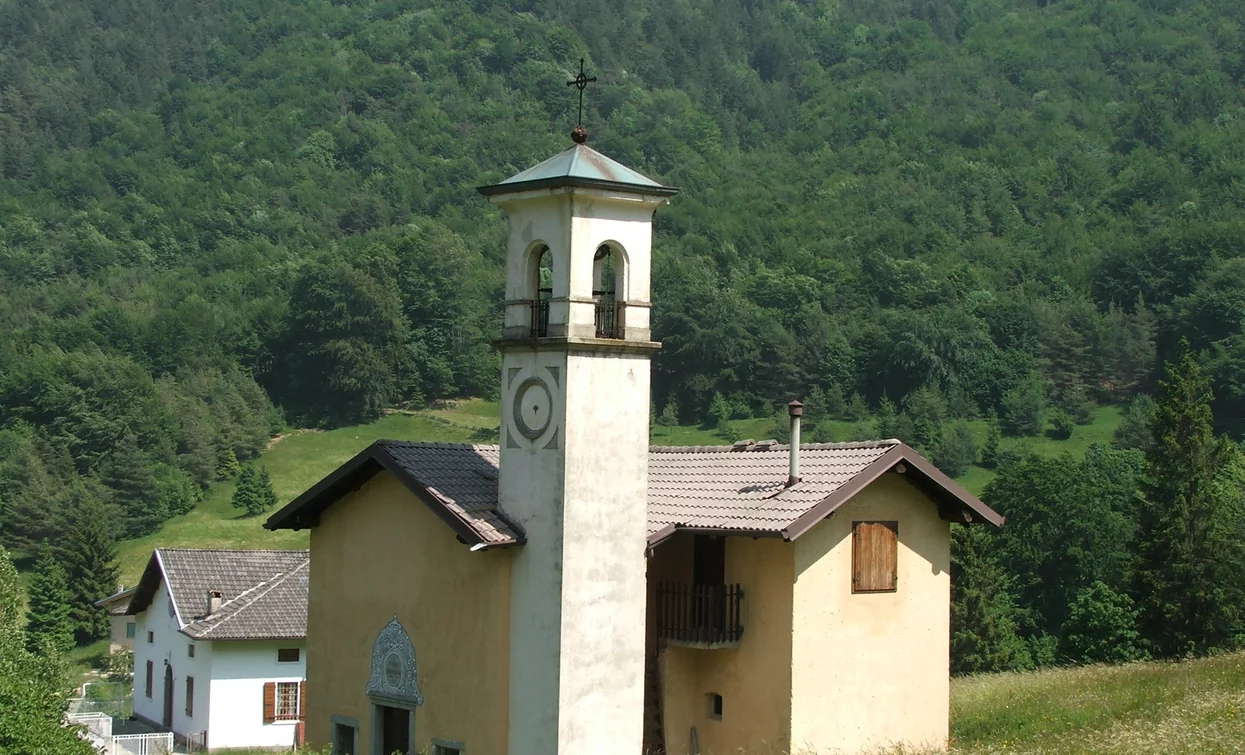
700,615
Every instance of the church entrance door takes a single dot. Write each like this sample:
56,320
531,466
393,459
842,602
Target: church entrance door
395,730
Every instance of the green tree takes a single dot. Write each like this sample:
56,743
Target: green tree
957,451
89,552
984,617
128,474
719,411
48,620
1101,627
253,493
1135,429
1024,409
990,449
33,687
1190,570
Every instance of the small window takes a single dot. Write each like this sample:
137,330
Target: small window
875,556
713,706
287,655
151,637
287,708
129,630
190,695
344,737
147,689
447,749
190,650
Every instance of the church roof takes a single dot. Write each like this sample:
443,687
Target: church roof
738,489
583,166
264,592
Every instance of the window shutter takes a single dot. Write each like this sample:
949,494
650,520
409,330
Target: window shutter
190,696
149,674
270,702
302,701
875,556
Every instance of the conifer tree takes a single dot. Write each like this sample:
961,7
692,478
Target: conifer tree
89,553
49,624
1190,554
254,493
32,686
984,616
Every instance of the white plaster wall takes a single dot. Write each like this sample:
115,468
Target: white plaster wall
603,553
873,669
239,671
530,491
170,645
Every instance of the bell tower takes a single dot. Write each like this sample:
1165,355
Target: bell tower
575,352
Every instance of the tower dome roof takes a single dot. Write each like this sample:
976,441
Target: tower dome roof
583,166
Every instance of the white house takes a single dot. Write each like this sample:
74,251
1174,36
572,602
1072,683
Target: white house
220,645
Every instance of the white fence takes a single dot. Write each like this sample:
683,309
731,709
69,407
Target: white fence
99,733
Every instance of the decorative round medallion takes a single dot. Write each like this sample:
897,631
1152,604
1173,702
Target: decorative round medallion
533,408
393,670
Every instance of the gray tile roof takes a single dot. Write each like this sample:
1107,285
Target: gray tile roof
580,165
264,591
741,488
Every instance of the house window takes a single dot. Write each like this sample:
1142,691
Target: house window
190,650
190,695
713,706
147,688
287,655
440,747
875,556
129,630
345,735
151,637
283,701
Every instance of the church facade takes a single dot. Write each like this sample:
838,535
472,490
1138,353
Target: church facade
573,590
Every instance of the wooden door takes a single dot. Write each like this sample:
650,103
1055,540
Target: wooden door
168,697
395,730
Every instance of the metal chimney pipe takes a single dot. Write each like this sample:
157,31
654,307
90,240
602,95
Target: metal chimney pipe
796,410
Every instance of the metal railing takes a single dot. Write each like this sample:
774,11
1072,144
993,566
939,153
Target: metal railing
608,317
699,614
540,318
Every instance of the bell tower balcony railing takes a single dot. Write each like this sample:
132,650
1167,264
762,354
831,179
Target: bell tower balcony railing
703,616
608,317
540,318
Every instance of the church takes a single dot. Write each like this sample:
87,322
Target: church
573,590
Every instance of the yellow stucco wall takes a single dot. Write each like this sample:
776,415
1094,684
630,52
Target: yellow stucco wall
378,552
872,669
753,679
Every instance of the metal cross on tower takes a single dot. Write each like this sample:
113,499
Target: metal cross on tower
580,82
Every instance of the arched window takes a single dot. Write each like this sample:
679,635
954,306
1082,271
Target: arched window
608,291
542,274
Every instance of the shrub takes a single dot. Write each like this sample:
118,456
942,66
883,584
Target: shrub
1101,627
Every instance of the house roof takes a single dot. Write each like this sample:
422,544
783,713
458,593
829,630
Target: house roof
738,489
264,592
117,602
583,166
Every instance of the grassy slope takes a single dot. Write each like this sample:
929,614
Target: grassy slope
1194,707
301,459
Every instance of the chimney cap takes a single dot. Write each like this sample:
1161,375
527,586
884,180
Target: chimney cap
795,409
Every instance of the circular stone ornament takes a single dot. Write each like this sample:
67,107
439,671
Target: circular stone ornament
533,408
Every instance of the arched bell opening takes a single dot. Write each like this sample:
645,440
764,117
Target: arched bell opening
609,290
541,285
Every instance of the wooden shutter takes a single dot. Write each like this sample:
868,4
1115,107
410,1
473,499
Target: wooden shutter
302,701
149,675
190,696
875,556
270,702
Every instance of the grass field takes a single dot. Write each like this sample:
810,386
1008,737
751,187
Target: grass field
1195,708
299,460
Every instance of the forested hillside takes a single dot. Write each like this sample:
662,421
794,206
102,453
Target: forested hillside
221,218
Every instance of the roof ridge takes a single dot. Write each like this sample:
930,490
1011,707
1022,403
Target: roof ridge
234,550
214,621
845,445
436,444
